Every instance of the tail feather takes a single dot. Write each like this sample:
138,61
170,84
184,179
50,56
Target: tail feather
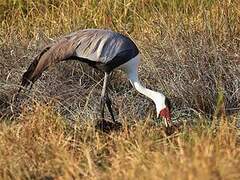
27,77
60,50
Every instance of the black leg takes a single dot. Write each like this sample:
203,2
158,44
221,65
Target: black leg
104,125
109,106
105,99
115,125
103,95
102,107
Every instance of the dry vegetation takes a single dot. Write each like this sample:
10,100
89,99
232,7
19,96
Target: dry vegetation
41,144
190,51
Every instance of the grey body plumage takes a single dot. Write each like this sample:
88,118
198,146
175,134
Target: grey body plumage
101,49
104,50
102,45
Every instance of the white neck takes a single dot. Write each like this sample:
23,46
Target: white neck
157,97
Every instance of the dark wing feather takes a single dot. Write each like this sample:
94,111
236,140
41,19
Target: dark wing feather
26,78
52,54
96,47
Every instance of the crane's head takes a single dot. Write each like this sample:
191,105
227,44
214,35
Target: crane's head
163,106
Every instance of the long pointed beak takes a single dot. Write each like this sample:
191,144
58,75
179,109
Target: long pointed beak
167,122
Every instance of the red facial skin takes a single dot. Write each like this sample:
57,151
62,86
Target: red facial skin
165,114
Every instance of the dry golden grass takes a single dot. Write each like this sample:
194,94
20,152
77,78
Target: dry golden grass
191,49
187,45
41,144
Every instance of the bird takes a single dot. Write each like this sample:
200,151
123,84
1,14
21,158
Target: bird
105,50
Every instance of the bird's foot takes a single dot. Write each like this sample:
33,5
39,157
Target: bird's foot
108,126
169,130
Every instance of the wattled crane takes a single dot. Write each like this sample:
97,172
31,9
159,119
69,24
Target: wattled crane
104,50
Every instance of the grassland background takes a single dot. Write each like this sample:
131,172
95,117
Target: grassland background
190,52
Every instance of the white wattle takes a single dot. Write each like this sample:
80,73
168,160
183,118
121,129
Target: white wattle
131,68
